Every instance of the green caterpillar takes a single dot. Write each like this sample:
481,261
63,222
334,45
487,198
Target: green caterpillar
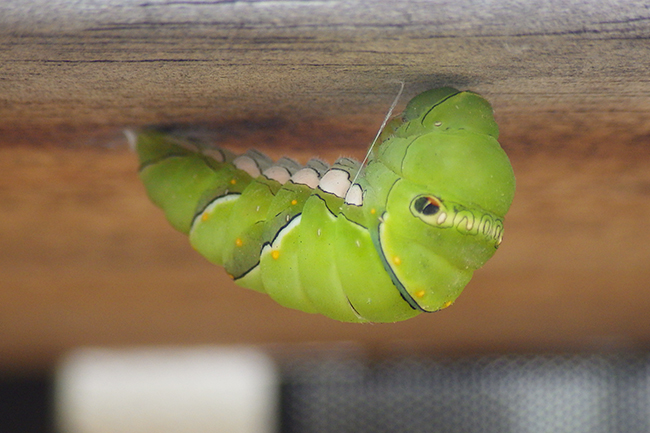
382,242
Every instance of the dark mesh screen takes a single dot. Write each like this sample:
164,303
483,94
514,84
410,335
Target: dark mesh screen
519,394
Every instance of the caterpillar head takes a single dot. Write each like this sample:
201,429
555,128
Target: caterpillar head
439,213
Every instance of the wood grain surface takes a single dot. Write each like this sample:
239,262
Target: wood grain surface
85,259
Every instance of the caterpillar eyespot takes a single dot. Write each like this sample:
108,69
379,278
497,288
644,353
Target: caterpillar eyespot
378,241
426,205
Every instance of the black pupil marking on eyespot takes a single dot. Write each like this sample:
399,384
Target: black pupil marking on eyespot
427,206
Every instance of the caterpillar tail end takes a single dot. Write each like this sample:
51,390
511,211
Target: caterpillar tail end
131,138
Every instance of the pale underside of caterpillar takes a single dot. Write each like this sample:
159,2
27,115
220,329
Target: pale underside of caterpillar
382,242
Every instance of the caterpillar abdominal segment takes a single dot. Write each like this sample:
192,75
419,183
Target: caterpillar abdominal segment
378,242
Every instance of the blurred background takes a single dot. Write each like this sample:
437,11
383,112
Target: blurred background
560,314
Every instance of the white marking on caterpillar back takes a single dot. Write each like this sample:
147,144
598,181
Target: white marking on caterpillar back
215,154
354,195
263,161
282,170
311,174
306,176
277,173
248,164
335,182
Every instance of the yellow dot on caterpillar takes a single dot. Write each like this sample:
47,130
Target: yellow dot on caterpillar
373,211
397,260
420,294
275,254
205,216
446,304
294,202
233,181
232,277
239,242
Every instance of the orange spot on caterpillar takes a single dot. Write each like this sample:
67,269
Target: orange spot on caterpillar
233,181
446,304
397,260
294,202
373,211
239,242
205,216
275,254
420,294
232,277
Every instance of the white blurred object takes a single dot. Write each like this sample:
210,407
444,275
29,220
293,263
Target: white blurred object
167,390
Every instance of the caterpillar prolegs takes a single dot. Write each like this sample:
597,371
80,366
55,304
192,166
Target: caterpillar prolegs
382,242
